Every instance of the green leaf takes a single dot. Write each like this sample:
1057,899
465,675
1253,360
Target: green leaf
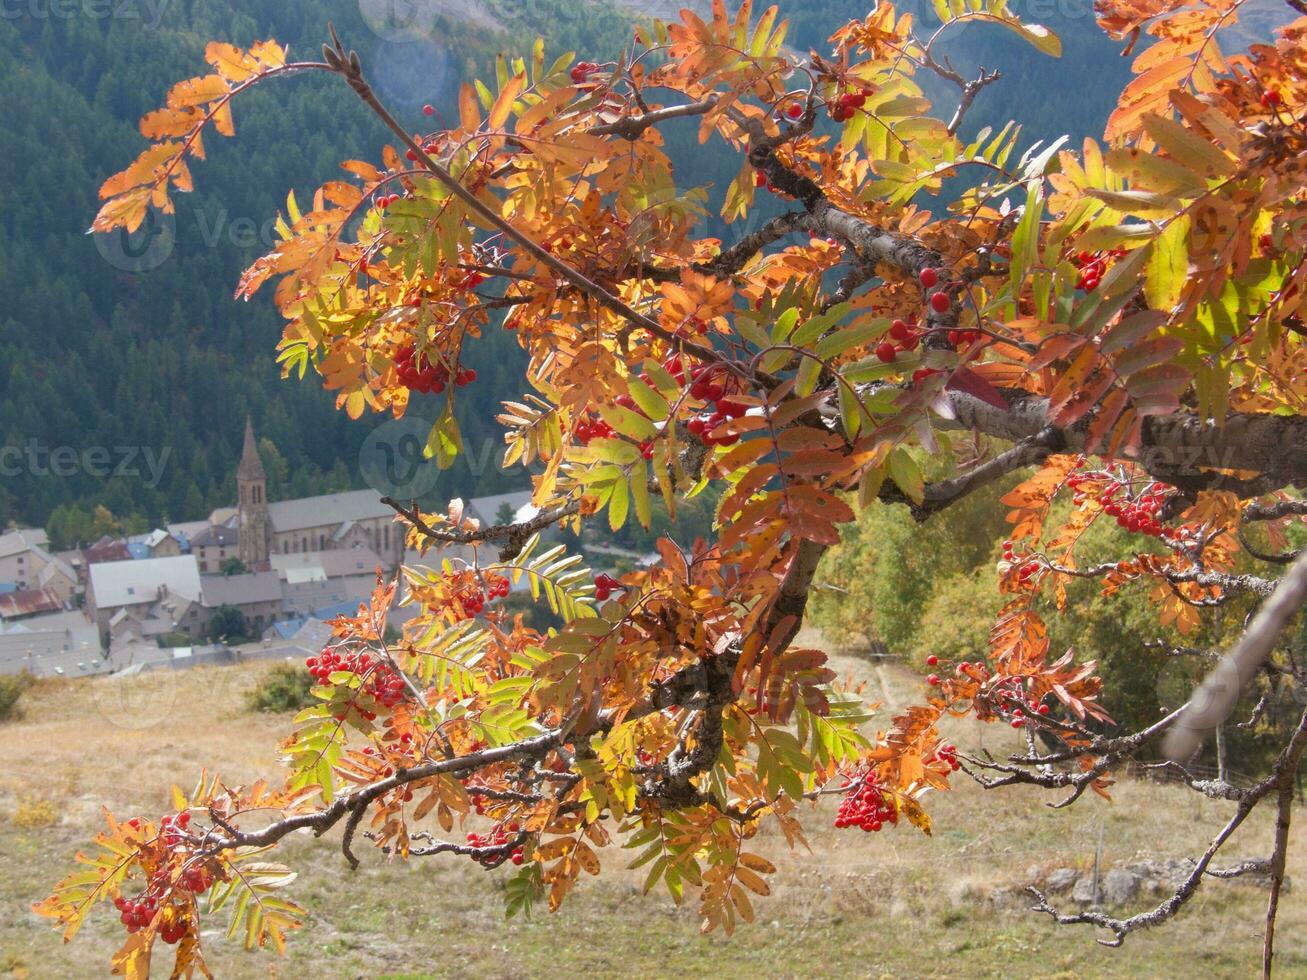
640,496
618,504
445,440
1168,266
907,474
651,402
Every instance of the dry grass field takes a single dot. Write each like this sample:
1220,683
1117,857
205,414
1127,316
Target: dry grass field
894,904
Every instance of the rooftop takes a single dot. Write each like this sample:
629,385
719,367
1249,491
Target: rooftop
240,590
107,549
486,509
28,602
328,510
334,564
19,540
219,535
128,583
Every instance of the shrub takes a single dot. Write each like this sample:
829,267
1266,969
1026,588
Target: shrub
12,687
286,687
956,621
35,813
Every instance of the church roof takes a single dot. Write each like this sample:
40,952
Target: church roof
251,467
330,510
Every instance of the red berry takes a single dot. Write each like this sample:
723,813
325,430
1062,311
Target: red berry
933,680
928,278
794,111
932,660
886,351
940,303
1042,709
899,330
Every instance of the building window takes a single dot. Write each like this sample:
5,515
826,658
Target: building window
304,543
322,542
386,536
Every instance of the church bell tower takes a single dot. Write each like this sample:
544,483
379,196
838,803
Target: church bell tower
252,505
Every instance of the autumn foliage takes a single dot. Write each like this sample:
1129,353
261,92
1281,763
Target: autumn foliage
1121,319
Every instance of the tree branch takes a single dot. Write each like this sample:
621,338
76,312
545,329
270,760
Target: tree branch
631,127
1218,694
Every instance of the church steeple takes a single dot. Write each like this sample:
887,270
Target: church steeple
252,504
251,467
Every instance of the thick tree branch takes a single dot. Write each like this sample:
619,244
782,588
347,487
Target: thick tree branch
632,127
938,496
1172,445
1218,694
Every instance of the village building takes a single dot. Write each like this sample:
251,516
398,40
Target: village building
56,644
257,595
330,522
26,564
213,547
165,589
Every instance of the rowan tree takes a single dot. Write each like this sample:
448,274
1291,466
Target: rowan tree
1121,321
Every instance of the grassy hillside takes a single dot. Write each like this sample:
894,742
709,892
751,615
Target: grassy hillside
893,904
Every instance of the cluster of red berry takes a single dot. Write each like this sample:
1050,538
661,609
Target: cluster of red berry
591,426
716,386
846,105
1137,514
606,585
962,338
948,754
904,336
1093,266
864,805
582,71
1027,571
1271,100
430,148
474,600
135,915
498,836
382,682
432,378
939,300
1015,701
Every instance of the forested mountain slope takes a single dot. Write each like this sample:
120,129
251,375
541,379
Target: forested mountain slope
106,344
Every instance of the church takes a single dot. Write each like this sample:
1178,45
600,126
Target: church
333,521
